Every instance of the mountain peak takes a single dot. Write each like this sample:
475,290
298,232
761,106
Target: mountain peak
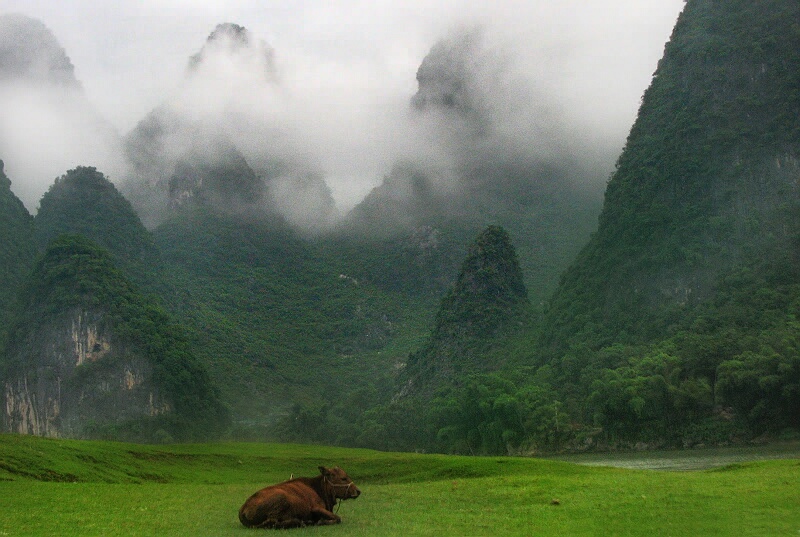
29,52
450,77
487,296
85,202
705,182
231,41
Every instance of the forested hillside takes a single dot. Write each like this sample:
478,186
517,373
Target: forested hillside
484,310
16,228
281,319
431,316
486,300
84,202
677,323
678,320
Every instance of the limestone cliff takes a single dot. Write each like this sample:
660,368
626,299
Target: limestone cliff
76,379
89,357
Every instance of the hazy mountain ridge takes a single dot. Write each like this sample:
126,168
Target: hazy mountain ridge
222,151
495,155
30,52
47,123
675,325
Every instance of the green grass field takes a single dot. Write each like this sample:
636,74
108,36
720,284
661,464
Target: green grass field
62,487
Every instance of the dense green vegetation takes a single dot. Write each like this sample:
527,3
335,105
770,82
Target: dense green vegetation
485,307
17,254
676,325
704,185
486,297
99,488
282,320
84,202
76,274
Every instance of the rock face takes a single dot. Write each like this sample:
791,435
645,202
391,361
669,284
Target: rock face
77,381
89,357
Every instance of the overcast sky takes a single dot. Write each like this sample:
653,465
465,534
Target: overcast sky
595,56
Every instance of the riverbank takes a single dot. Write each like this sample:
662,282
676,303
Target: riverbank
685,459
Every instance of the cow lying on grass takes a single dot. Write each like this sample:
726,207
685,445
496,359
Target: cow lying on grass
299,502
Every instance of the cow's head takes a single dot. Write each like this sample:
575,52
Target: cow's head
343,487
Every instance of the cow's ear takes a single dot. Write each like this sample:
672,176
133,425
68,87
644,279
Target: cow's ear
324,471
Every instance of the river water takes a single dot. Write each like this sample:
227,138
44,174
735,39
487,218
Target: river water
686,460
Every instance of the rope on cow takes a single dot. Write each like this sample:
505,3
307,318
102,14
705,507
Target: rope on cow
334,485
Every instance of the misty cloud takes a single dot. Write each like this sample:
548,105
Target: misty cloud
29,52
47,125
226,118
323,89
481,138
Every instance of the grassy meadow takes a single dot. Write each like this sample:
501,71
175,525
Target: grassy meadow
82,488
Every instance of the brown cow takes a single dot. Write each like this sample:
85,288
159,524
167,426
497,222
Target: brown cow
299,502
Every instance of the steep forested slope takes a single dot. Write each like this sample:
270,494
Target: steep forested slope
707,180
83,202
17,253
683,306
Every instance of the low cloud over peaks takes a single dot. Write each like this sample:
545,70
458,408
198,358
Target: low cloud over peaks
47,124
481,138
229,108
323,103
30,53
231,43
